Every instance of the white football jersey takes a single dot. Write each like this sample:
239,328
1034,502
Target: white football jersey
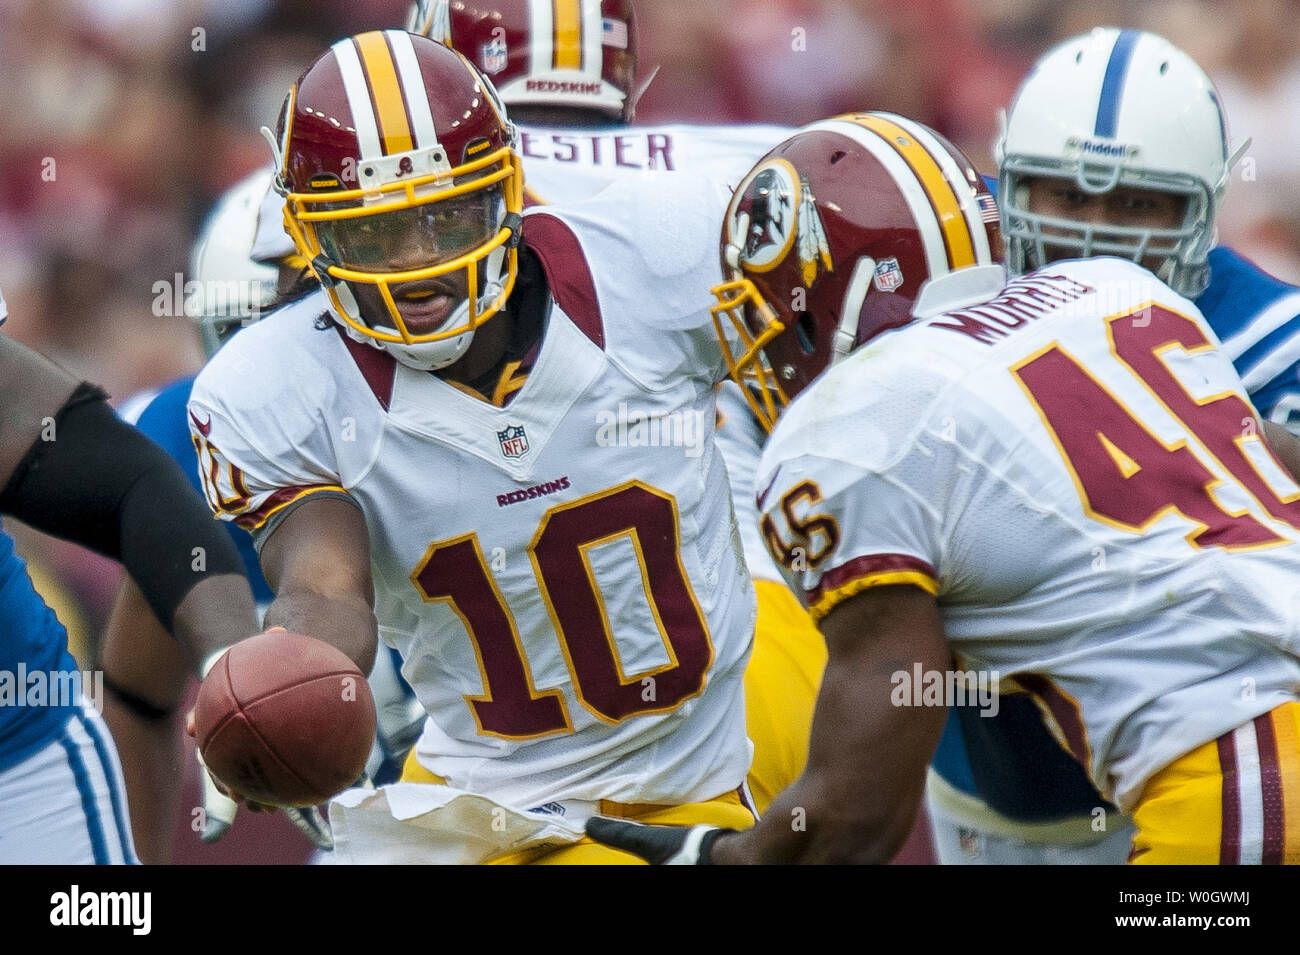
561,575
562,164
1074,470
740,440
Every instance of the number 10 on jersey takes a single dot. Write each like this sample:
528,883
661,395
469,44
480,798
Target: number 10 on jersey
511,706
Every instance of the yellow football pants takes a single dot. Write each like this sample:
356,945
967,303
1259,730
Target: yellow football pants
1233,801
781,684
726,810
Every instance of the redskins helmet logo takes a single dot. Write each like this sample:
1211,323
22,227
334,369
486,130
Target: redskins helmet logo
773,213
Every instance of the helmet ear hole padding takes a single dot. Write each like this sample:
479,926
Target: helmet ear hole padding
805,328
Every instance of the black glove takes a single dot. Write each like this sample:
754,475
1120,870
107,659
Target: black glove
658,845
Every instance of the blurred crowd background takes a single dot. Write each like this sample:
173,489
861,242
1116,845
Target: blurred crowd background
124,119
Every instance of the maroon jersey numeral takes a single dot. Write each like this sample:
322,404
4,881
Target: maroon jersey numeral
455,571
1126,475
1223,423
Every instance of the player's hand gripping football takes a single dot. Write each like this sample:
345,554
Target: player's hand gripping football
658,845
220,804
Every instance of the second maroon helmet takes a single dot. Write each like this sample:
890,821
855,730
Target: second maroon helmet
831,240
579,54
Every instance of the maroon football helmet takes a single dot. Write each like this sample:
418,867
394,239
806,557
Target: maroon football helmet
830,239
573,53
403,191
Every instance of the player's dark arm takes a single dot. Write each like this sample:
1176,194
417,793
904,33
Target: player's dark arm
71,468
317,560
146,676
1285,445
858,797
32,389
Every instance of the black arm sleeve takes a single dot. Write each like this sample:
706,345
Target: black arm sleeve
101,483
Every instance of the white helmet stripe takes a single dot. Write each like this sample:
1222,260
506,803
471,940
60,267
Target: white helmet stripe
417,97
541,29
936,252
962,188
591,39
358,93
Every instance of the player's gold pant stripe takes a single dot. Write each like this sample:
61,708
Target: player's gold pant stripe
568,34
1235,799
1286,727
726,810
956,232
1179,816
413,771
386,90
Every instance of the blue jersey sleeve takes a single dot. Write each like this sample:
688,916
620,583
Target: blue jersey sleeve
1257,318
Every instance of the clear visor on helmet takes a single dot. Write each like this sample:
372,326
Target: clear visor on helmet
754,323
416,236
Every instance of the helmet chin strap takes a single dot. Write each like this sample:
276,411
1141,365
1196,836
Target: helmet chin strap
422,356
846,334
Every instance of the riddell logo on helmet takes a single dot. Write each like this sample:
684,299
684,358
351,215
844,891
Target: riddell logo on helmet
562,86
1098,147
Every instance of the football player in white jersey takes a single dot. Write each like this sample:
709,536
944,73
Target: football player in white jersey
575,143
1044,483
1115,144
484,440
566,70
567,73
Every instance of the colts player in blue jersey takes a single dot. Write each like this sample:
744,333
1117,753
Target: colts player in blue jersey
1115,145
70,468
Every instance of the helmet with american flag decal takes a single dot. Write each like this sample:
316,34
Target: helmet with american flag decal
403,191
578,54
834,237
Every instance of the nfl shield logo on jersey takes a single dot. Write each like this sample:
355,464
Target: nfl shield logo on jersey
514,443
888,275
494,54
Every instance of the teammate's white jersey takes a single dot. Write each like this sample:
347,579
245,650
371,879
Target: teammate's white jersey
740,440
560,575
1073,468
562,164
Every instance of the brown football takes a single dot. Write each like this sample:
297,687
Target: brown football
285,719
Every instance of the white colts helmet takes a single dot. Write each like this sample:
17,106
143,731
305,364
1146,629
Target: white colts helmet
227,287
1116,108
